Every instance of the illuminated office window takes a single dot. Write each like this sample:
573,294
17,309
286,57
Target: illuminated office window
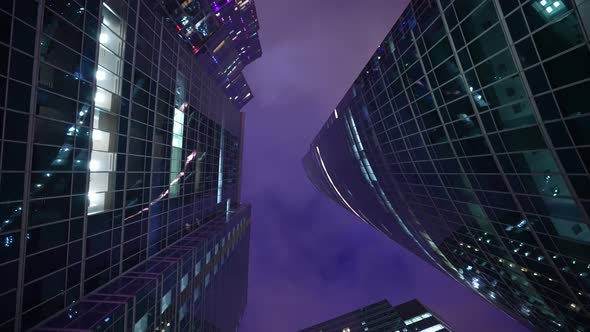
104,123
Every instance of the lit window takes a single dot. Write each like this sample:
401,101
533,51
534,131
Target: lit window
184,282
142,324
166,300
197,268
434,328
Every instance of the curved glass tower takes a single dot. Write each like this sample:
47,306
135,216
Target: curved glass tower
465,139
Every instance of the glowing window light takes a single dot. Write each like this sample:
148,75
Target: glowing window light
103,38
100,75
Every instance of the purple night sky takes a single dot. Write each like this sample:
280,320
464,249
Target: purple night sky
311,260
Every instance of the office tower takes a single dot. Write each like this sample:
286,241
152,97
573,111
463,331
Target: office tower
226,33
197,284
381,316
465,139
121,160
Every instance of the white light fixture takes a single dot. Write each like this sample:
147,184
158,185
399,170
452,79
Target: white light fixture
94,165
549,10
556,4
103,38
100,75
543,3
99,98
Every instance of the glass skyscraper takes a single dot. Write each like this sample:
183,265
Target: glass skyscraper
381,316
465,139
120,172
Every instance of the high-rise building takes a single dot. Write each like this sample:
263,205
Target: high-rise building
197,284
465,139
120,172
381,316
226,33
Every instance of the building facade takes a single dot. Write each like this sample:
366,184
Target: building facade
382,317
197,284
116,145
465,139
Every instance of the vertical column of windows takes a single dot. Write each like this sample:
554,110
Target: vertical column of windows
105,120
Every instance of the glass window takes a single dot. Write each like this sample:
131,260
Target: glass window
536,79
58,81
453,90
11,186
44,263
184,282
21,67
440,52
483,18
487,44
10,247
61,30
46,237
496,68
514,115
197,268
17,125
558,134
534,162
142,324
48,210
23,91
447,71
523,139
50,184
504,92
197,293
23,37
558,37
467,127
59,56
53,132
568,68
547,107
517,25
55,107
572,100
579,129
526,53
166,301
538,14
5,26
434,33
43,289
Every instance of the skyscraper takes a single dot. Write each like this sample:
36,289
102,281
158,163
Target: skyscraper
120,171
465,139
381,316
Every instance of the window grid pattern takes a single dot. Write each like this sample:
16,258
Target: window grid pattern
167,292
54,249
472,116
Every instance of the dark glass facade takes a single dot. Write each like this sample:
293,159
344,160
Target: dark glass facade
116,144
226,33
197,284
465,139
382,317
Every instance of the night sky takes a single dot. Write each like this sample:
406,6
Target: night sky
311,260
